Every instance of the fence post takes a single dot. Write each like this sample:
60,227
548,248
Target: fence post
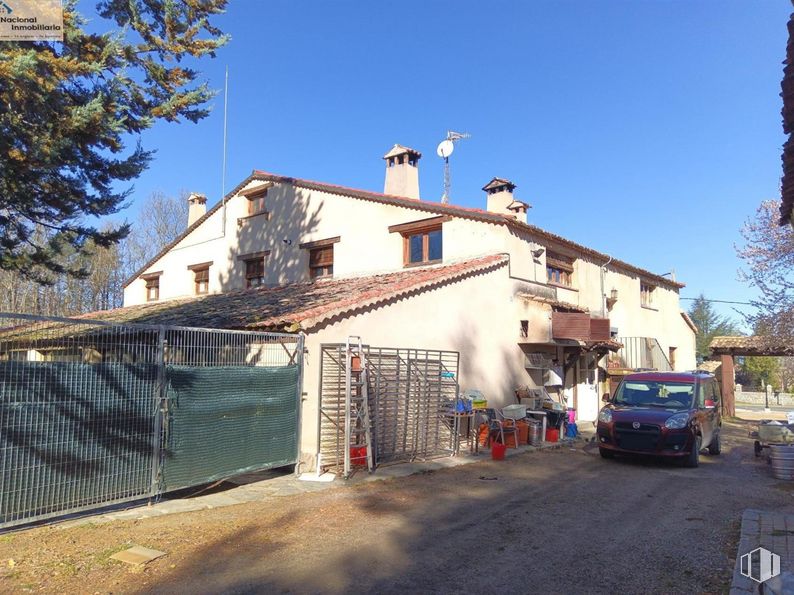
159,426
299,396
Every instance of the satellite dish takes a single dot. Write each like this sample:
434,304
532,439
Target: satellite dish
445,148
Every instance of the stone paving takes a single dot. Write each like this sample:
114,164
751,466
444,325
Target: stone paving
774,532
255,487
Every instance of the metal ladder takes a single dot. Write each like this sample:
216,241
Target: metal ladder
358,433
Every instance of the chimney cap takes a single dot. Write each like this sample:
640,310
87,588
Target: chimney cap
197,197
397,150
498,183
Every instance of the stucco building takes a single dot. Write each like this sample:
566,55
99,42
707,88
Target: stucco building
523,306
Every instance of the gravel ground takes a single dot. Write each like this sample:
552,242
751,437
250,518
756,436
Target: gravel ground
557,521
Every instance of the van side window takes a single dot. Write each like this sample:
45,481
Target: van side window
702,394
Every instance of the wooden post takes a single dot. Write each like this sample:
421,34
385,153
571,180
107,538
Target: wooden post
728,385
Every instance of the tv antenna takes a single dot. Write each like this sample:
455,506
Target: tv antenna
444,150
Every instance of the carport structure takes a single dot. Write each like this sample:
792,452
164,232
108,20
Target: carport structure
729,347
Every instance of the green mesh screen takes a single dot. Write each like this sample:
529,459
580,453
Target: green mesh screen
228,420
73,436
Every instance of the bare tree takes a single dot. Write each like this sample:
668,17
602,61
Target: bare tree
768,255
161,219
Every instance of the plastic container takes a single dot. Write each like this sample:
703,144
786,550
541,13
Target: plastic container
498,451
571,416
514,411
358,456
552,435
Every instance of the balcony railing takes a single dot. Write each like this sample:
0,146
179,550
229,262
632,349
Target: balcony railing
640,353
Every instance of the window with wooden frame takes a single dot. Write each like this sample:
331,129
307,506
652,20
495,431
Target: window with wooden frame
321,262
321,257
254,268
152,286
422,240
559,269
646,294
254,272
201,277
256,199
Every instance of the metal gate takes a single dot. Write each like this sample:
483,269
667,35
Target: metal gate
95,413
411,393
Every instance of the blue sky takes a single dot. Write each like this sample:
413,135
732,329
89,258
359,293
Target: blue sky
647,130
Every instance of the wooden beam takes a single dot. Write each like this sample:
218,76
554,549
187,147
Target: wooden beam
728,385
421,225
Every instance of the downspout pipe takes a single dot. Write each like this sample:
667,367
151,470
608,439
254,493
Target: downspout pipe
603,290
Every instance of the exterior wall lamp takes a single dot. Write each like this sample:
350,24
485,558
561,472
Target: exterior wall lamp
612,299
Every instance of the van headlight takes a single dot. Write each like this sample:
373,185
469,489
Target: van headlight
677,421
605,415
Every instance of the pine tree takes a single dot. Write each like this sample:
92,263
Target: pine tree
68,112
709,324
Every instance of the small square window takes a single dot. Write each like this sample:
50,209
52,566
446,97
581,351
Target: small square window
153,289
255,272
202,280
321,262
423,247
256,203
646,294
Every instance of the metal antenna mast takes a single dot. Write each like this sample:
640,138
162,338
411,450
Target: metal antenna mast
444,150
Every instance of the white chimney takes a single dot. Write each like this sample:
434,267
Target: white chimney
500,199
402,172
197,207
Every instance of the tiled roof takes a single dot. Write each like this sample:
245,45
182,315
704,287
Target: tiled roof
299,305
420,205
754,345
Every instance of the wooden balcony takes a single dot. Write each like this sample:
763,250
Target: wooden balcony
579,326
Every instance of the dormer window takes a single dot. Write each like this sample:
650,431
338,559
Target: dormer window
201,277
422,241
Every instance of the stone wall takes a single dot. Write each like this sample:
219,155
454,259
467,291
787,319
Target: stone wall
758,398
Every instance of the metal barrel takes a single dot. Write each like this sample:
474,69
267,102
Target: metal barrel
782,459
534,432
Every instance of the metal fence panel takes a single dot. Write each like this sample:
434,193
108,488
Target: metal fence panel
88,410
411,392
223,421
76,427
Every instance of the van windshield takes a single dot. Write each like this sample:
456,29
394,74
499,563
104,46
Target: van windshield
651,393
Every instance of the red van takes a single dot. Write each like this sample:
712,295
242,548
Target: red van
667,414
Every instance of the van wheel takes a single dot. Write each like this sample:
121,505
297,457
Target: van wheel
715,447
693,460
606,453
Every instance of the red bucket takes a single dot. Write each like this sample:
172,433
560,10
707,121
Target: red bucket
498,451
358,456
552,434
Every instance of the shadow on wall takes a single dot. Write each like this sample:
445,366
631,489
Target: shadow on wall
490,366
290,222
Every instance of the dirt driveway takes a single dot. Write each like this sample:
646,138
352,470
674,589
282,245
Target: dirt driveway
555,521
